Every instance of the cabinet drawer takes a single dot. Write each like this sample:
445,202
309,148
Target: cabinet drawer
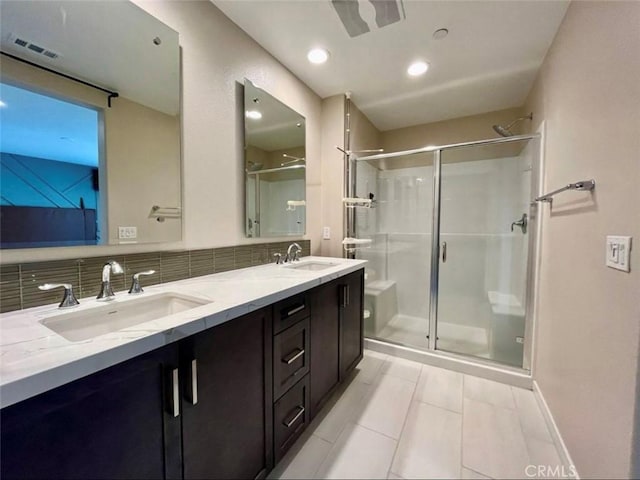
290,357
290,311
290,417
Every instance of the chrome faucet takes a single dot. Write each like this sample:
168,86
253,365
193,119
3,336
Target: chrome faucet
293,257
106,291
135,282
69,299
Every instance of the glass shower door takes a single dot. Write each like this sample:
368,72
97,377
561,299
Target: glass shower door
483,251
399,227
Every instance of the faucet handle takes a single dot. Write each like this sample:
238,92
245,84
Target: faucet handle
69,299
278,257
135,282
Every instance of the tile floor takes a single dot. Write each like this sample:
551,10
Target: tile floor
401,419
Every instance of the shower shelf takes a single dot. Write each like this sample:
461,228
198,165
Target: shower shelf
352,244
292,204
355,202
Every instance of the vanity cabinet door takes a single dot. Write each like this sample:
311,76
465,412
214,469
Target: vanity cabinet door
226,430
117,423
324,372
351,297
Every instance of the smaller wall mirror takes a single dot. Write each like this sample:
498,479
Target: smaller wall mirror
275,166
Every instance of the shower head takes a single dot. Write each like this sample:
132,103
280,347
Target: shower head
295,159
506,131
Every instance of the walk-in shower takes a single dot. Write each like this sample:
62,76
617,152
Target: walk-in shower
449,263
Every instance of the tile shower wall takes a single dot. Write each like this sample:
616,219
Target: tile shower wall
19,283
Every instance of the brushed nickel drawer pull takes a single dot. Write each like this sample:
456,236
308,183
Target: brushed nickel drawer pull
194,381
296,310
293,357
175,393
295,417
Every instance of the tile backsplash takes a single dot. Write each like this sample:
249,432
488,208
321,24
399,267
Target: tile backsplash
19,283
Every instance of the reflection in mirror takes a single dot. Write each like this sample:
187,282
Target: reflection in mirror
275,166
81,166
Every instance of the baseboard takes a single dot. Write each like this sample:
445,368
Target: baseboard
561,447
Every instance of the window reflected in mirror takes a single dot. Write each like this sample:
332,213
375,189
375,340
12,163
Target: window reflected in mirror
49,171
90,142
275,166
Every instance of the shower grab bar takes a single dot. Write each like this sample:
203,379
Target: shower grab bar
586,185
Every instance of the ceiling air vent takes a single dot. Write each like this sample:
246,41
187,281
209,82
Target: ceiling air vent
33,47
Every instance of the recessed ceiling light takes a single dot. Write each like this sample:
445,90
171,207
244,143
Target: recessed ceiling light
2,104
440,33
318,55
253,114
417,68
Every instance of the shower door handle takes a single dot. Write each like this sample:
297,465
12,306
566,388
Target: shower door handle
444,252
522,223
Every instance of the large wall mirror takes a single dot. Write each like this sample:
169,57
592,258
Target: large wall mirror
90,114
275,166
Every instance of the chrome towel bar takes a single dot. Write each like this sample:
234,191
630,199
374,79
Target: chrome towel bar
586,185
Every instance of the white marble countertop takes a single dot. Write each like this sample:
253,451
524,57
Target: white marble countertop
34,359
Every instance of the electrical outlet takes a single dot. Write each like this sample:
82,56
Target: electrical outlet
326,233
127,233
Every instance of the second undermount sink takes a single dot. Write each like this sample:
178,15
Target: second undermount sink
113,316
312,265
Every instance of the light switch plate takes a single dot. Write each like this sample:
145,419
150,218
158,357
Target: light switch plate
617,253
326,233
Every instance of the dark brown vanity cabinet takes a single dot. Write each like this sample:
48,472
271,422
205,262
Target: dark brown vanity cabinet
117,423
226,391
199,408
291,342
336,331
351,301
224,403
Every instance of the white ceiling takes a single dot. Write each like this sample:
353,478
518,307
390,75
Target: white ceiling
105,42
488,61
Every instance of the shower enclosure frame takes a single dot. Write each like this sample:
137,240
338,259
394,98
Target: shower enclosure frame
350,190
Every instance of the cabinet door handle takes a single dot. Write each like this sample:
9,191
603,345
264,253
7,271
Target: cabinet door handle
296,416
293,356
175,393
345,295
194,381
444,252
295,310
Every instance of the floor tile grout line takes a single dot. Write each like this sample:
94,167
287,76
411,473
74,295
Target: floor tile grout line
404,424
514,409
424,402
530,437
326,455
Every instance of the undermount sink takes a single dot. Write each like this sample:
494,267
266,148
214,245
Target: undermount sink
115,315
313,265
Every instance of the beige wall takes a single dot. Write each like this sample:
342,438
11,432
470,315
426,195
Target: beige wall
140,143
457,130
216,57
143,170
588,94
332,127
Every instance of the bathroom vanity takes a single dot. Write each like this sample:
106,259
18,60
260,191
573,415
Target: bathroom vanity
234,384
